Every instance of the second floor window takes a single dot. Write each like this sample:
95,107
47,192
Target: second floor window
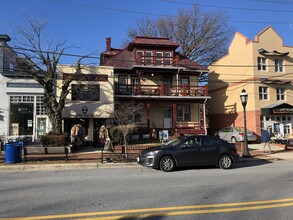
85,92
263,93
279,66
261,64
280,93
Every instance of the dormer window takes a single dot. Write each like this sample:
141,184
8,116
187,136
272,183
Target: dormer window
154,58
159,58
167,59
148,57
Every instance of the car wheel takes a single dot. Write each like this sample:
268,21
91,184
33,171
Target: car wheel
167,164
225,161
233,140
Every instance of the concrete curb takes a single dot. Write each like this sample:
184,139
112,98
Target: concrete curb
70,166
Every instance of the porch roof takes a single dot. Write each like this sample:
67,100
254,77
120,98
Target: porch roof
272,53
277,108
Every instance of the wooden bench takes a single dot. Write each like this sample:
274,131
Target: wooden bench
30,150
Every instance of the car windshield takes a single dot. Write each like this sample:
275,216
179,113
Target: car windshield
173,142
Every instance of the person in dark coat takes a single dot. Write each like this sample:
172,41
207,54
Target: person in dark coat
265,138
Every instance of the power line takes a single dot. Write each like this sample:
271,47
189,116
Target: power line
227,7
119,60
274,2
105,8
164,15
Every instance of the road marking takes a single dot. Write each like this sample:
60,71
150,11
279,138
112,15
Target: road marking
170,211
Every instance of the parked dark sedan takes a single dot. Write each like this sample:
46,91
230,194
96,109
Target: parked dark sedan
190,151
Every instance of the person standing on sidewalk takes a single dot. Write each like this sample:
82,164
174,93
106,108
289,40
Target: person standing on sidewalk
265,138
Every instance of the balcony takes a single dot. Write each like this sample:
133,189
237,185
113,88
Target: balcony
160,90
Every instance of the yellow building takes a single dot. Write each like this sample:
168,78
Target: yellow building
263,67
91,98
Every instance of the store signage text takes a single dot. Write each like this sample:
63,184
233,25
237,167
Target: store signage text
283,111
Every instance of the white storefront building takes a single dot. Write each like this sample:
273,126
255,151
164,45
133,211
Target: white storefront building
22,113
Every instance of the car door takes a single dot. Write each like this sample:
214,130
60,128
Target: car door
225,133
189,152
210,149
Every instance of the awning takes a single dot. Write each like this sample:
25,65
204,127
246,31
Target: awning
277,109
274,81
272,53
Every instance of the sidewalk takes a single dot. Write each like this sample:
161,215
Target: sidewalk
91,159
279,152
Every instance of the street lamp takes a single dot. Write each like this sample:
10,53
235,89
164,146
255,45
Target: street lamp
243,98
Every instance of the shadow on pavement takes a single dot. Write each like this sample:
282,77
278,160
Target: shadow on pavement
250,162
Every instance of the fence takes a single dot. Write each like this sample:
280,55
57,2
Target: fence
120,154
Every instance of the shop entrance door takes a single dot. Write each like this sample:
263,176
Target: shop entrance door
287,129
167,117
41,126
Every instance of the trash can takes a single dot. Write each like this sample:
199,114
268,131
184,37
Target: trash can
13,152
19,151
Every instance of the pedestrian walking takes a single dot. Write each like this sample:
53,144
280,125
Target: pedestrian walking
265,138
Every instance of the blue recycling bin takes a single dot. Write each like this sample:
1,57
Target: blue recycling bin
13,152
19,151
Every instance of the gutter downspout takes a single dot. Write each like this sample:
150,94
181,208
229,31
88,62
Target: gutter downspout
204,117
177,81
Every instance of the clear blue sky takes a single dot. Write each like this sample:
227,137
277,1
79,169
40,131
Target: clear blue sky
86,23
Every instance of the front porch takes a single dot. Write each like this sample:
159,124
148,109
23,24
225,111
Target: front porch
184,117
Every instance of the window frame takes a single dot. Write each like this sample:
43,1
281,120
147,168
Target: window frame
263,93
85,94
168,59
280,93
279,65
262,64
159,59
148,59
186,113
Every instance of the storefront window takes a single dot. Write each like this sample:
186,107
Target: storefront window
21,118
85,92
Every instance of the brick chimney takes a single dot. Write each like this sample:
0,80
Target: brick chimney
4,38
108,44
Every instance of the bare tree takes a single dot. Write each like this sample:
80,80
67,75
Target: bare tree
39,59
124,118
203,36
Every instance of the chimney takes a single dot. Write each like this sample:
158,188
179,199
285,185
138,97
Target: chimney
108,43
4,38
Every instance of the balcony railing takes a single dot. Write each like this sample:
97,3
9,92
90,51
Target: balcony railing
161,90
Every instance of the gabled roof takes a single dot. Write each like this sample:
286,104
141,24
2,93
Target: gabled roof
151,42
124,58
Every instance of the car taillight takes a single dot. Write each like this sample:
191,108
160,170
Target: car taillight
241,133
